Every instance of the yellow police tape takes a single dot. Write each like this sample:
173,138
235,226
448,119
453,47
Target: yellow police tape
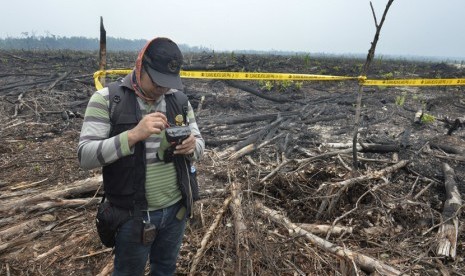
283,76
102,73
259,76
414,82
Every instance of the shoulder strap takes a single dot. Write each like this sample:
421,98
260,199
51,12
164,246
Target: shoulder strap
115,95
176,103
118,112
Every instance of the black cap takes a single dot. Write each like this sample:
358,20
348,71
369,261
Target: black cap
163,60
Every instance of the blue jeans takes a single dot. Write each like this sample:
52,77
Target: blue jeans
131,255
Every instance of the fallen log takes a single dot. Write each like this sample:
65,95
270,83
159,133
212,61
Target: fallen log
455,158
259,93
447,148
251,139
107,270
323,229
68,244
64,203
4,247
324,119
76,188
248,119
448,231
20,228
448,144
366,263
377,148
206,237
240,230
62,77
364,147
250,148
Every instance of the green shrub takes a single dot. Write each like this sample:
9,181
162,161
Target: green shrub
427,118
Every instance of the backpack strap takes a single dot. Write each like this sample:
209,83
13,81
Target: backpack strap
115,94
176,103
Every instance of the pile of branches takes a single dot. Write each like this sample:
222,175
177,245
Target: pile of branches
300,209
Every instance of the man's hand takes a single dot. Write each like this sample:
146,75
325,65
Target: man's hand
187,146
152,123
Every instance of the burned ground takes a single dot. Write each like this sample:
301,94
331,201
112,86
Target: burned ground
49,203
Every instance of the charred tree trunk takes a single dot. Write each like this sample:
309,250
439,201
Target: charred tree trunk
103,50
366,67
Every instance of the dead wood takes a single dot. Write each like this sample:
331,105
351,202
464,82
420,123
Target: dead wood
302,162
68,244
248,119
211,192
259,93
337,189
364,72
454,158
452,126
64,203
103,50
19,228
323,229
14,56
258,136
107,270
219,142
6,246
366,263
199,107
76,188
240,230
325,119
370,176
448,148
366,147
24,185
62,77
77,103
250,148
208,234
31,83
24,239
376,148
448,231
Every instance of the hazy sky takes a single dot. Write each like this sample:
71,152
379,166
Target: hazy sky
412,27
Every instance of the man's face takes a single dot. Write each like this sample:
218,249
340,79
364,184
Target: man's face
151,88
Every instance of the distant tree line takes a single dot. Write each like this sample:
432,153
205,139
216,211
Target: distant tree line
31,41
78,43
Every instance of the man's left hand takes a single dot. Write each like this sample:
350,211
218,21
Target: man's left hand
187,146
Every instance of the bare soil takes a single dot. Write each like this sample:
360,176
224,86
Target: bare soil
394,219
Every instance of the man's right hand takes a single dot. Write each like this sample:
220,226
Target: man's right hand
152,123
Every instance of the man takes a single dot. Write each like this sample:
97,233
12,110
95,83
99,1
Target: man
155,194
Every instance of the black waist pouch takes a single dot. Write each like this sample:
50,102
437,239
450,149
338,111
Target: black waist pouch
108,219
